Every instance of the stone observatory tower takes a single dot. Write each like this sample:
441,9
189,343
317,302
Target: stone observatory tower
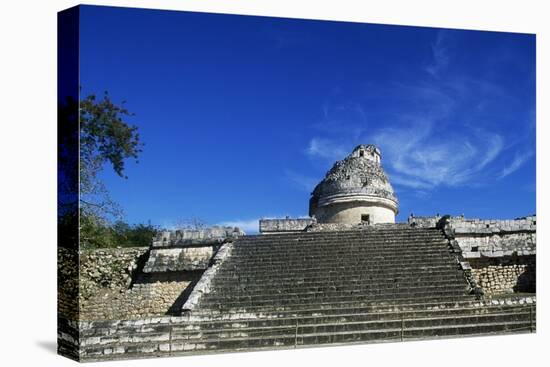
355,190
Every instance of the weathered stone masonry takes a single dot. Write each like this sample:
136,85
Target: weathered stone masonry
207,328
112,286
104,269
505,275
170,336
288,225
161,330
501,253
355,190
131,284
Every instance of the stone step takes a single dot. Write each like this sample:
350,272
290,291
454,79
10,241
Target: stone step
246,257
291,339
335,306
285,320
297,244
373,263
307,289
290,299
337,284
353,307
184,347
323,273
223,303
344,261
352,257
205,334
343,234
313,274
359,245
310,331
365,284
316,294
336,245
424,272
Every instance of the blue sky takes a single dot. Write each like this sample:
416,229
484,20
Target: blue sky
242,116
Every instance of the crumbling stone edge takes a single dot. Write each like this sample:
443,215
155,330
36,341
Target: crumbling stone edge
203,285
445,225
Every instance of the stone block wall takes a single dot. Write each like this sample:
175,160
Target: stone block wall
125,319
108,269
111,285
205,236
506,274
332,227
487,237
495,238
102,273
285,225
115,339
152,295
67,282
138,282
158,336
497,244
85,274
179,258
423,222
501,253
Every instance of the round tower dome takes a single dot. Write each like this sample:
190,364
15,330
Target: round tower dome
355,190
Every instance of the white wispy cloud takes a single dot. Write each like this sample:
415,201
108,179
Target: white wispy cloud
440,54
326,149
409,182
342,122
444,130
517,162
419,159
416,154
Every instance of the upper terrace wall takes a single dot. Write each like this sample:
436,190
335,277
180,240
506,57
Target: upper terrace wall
136,282
113,286
285,225
495,238
488,237
501,253
187,250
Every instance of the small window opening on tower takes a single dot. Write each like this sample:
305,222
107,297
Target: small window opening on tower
361,153
475,248
365,218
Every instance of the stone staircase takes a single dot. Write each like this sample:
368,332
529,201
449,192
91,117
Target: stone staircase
372,285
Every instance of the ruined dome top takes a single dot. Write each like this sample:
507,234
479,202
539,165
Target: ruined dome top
369,148
359,175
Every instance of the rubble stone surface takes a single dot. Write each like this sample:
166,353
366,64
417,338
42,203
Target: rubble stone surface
356,189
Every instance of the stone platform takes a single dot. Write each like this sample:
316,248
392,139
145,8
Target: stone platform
378,284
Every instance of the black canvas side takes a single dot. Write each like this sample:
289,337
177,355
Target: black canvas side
67,182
